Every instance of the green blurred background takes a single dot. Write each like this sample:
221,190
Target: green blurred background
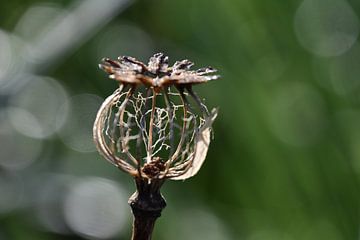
285,161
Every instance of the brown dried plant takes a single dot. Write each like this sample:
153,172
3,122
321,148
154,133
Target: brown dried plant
153,127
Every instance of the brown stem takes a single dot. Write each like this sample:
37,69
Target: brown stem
151,126
171,118
146,204
198,101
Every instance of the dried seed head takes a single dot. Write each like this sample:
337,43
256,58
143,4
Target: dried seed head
154,126
157,72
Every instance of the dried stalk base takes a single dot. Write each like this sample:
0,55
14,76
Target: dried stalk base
146,204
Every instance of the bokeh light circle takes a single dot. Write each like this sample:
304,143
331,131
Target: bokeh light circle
76,133
96,208
12,192
344,73
17,151
49,201
31,24
326,27
297,114
6,56
35,106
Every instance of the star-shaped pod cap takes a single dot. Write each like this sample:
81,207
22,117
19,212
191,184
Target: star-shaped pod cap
157,73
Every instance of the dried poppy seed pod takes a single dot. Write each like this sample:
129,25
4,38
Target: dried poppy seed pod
153,127
148,127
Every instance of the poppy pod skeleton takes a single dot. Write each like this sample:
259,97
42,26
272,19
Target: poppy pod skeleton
148,126
154,127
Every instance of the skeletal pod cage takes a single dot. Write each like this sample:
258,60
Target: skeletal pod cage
154,126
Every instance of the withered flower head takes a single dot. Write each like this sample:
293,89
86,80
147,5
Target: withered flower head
154,126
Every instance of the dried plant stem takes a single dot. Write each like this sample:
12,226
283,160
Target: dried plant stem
171,119
146,204
198,101
151,126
